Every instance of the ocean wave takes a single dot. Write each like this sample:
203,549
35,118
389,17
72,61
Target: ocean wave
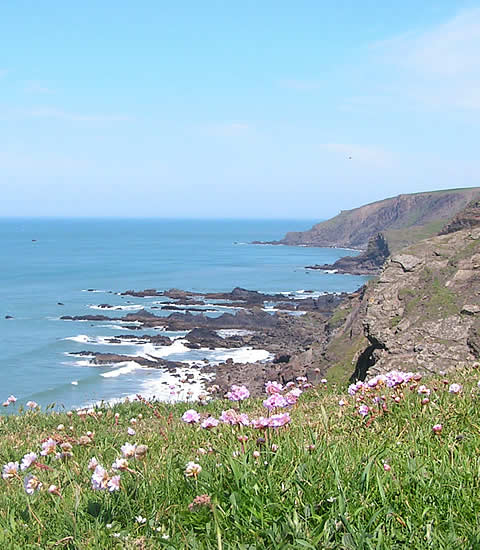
129,366
130,307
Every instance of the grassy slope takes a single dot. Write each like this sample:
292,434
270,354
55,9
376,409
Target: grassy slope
336,495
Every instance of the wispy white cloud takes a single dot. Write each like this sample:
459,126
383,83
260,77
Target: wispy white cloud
439,66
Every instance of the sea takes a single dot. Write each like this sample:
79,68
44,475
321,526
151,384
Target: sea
55,267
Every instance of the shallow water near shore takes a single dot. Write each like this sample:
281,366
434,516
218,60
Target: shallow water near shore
52,261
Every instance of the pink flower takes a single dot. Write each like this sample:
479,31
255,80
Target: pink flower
10,470
455,388
49,447
275,401
387,467
423,390
238,393
437,428
233,418
363,410
128,450
209,422
54,490
31,484
11,399
279,420
120,464
131,431
191,416
31,404
260,423
323,381
273,387
92,464
342,403
113,484
28,460
100,478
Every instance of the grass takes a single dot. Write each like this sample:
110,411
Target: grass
325,486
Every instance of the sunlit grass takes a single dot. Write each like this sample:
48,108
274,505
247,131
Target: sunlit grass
330,479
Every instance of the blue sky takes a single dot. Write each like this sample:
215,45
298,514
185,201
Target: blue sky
234,109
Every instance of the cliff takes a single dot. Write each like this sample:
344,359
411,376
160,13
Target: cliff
403,220
421,314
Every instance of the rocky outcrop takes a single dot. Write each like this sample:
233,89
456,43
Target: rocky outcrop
423,314
366,263
466,219
403,220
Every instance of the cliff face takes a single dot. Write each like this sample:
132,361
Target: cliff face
423,314
402,220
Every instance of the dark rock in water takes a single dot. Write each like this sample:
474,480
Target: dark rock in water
8,317
105,306
112,358
149,292
204,337
366,263
60,304
87,318
91,290
139,315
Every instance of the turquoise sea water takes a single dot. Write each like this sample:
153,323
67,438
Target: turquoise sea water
44,262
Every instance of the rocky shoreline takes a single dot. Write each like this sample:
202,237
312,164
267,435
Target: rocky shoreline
285,326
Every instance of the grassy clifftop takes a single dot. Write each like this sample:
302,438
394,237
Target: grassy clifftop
390,465
403,220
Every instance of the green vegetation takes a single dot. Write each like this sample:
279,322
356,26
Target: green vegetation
331,479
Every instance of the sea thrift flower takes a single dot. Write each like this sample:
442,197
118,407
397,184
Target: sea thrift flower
191,416
99,478
28,460
363,410
455,388
274,448
200,500
293,395
11,399
131,431
31,405
387,467
192,469
31,484
273,387
128,450
113,484
279,420
256,454
120,464
342,403
323,381
261,423
49,447
92,464
425,401
437,428
60,427
209,422
238,393
275,401
423,390
10,470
